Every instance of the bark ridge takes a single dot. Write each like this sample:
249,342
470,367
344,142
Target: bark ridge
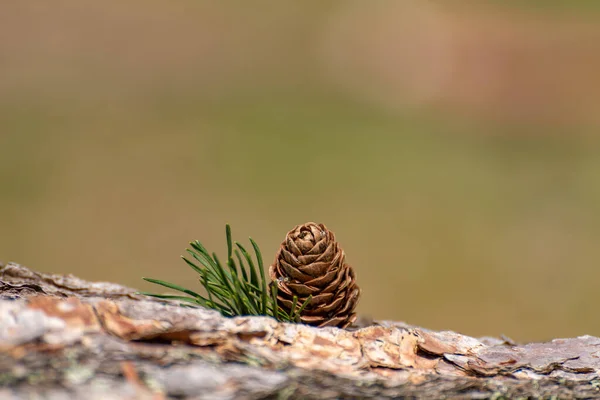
63,336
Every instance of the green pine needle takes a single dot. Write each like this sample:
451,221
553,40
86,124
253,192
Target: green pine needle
235,288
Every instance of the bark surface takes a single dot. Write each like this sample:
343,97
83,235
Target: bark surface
63,337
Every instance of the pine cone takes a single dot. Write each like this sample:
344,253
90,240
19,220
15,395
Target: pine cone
310,262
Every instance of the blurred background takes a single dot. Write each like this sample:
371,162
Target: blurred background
453,147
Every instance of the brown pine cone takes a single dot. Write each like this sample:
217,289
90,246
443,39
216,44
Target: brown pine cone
310,262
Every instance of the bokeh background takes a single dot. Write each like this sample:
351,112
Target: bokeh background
453,147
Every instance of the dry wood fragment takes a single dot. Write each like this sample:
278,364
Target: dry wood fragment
62,336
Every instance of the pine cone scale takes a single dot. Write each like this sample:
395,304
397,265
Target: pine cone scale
295,273
333,322
328,253
290,258
307,259
324,280
351,303
315,269
293,247
312,320
302,290
334,285
317,249
335,304
321,299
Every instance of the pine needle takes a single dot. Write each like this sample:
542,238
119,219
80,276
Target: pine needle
233,289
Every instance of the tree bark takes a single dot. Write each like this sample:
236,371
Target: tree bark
63,337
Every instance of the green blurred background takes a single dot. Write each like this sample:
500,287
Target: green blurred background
451,146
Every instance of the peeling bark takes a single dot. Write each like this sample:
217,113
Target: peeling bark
61,336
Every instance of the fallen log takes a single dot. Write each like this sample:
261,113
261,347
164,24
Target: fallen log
61,336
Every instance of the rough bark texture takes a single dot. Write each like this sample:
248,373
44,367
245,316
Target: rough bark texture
62,337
